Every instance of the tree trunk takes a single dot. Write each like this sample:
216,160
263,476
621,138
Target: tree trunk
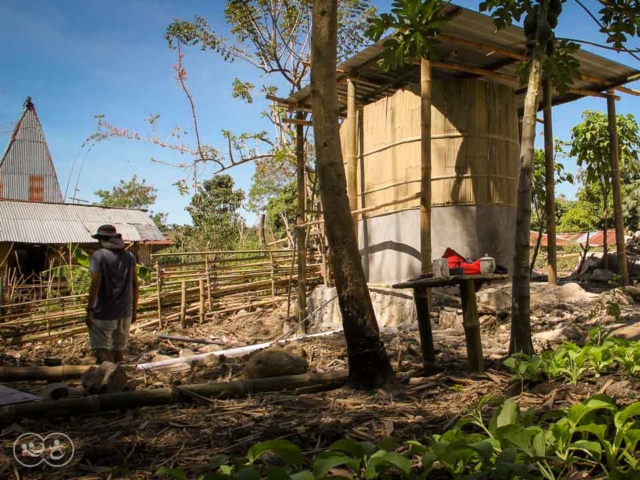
550,197
369,366
617,193
536,250
287,230
521,300
261,234
605,240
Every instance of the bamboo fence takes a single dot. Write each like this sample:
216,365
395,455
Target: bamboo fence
184,287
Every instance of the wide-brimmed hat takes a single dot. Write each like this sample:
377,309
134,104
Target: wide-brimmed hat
106,232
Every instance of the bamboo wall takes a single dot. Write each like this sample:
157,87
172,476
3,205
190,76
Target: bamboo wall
474,142
475,151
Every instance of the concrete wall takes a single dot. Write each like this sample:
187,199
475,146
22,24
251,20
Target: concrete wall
390,244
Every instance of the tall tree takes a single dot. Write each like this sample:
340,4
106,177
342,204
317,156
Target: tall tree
590,146
368,362
133,194
214,211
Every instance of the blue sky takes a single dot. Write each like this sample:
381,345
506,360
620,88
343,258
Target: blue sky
79,59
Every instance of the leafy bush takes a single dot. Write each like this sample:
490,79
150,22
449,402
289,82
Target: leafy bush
593,437
571,362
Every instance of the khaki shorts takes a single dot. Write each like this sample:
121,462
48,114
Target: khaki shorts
109,334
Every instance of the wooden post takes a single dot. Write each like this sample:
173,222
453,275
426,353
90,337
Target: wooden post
617,191
159,292
183,304
208,274
421,297
550,204
471,325
351,153
201,312
425,167
300,220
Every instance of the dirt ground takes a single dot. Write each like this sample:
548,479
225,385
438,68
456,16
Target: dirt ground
135,443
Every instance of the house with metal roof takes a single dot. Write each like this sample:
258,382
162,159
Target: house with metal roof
476,101
33,234
35,224
26,168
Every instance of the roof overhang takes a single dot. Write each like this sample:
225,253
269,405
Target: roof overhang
470,47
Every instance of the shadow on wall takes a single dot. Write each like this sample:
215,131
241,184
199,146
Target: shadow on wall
474,136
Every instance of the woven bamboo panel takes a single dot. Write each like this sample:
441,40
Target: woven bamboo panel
474,146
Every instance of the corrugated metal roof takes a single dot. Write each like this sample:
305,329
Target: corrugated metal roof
59,223
459,46
26,168
596,239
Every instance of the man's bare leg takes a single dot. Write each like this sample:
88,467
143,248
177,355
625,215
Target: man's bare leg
103,355
118,356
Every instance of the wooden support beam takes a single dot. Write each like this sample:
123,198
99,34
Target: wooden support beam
425,167
550,197
300,220
507,77
296,121
351,152
490,49
617,190
183,304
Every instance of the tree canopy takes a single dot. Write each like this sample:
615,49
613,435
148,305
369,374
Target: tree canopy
133,194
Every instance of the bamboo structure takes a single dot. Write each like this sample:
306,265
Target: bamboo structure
550,197
300,220
164,396
351,152
617,191
234,281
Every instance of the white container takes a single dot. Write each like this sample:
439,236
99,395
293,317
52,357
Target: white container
487,264
441,268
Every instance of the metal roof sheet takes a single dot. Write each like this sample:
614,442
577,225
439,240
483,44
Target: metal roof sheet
456,47
26,168
59,223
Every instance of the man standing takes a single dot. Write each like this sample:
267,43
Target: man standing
113,296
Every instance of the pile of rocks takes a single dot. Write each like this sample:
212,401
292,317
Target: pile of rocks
633,244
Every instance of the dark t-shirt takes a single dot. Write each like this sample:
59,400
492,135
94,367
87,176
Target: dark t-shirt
115,297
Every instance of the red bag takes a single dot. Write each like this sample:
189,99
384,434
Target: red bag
456,261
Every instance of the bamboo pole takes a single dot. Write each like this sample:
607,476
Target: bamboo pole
31,374
165,396
213,252
201,312
208,274
550,202
183,305
425,166
300,220
422,296
617,191
351,152
159,291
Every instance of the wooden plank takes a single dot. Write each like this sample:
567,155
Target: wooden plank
423,310
471,325
448,281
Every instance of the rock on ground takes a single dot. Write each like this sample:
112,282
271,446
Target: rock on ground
106,378
274,362
55,391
